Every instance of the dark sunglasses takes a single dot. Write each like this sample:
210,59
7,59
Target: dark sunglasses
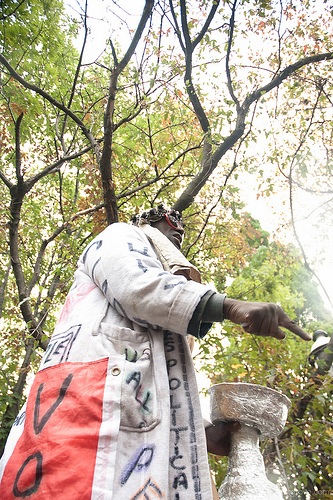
174,221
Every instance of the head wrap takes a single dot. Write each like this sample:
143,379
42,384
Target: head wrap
154,215
171,258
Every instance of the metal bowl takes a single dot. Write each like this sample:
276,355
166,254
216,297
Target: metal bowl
250,404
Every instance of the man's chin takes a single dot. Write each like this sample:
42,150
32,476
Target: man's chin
177,243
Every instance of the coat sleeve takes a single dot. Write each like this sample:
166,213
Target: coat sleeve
123,264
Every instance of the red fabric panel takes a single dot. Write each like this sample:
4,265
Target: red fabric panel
55,456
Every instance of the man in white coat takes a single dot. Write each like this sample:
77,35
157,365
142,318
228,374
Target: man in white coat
113,412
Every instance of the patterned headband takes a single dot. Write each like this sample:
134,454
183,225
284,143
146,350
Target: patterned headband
155,214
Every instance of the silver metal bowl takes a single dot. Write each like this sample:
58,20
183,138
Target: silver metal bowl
250,404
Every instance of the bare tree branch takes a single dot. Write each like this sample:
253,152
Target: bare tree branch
231,34
193,188
205,27
54,167
3,288
176,26
110,201
13,407
54,235
78,68
189,48
5,180
51,100
158,177
19,176
5,16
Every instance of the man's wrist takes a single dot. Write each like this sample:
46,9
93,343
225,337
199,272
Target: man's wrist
227,306
214,308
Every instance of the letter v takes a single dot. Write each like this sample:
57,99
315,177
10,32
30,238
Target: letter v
39,424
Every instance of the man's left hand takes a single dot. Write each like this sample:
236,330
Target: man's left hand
261,318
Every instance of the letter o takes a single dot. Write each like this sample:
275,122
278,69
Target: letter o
174,383
38,477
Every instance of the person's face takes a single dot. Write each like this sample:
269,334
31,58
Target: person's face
176,236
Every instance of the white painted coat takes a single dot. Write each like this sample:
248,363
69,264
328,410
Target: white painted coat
114,411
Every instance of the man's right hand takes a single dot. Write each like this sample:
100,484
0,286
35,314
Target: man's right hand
218,437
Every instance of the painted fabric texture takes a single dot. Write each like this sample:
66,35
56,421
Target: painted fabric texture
113,412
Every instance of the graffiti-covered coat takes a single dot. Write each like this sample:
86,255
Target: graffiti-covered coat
113,412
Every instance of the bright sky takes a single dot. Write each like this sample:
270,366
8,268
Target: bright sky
101,14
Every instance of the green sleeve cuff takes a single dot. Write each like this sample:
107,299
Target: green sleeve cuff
208,311
197,327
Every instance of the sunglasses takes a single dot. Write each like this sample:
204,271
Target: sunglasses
174,221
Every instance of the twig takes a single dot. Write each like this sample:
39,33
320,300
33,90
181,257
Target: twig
19,176
282,470
229,82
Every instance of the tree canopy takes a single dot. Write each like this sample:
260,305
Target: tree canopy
199,104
